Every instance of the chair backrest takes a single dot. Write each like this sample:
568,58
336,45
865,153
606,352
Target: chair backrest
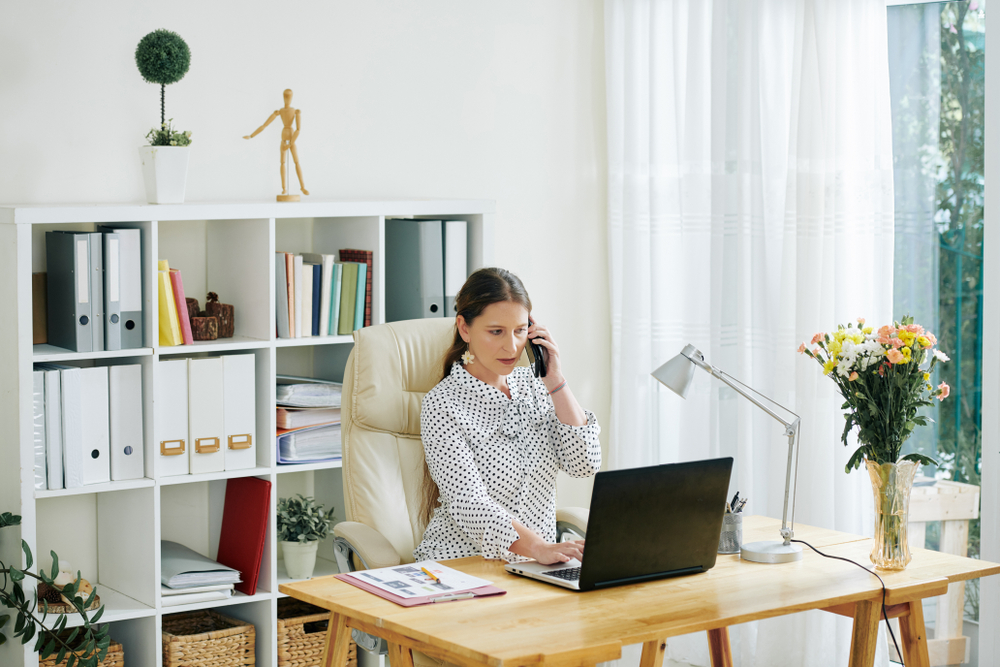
388,372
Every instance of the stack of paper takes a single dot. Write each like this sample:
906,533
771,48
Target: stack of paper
302,392
309,444
191,577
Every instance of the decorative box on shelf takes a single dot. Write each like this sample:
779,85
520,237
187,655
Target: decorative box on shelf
302,634
207,638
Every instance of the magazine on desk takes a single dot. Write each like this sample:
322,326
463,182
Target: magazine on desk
419,583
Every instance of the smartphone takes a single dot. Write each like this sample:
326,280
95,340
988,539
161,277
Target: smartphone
536,355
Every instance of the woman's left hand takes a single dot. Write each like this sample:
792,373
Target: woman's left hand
539,335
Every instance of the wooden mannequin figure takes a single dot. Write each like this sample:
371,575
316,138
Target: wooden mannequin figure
288,137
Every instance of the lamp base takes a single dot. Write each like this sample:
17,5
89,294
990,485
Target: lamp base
771,551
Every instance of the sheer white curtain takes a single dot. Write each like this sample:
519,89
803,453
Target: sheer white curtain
750,206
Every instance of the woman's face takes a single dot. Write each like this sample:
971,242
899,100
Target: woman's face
497,336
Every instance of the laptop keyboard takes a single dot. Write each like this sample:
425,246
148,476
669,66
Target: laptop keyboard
567,574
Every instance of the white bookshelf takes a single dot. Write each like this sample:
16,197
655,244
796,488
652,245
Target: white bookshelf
112,532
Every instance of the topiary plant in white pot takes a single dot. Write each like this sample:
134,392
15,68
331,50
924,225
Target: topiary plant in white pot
302,523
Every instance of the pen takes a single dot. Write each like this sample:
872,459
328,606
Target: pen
431,575
458,596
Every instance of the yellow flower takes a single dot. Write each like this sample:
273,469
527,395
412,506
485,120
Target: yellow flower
927,377
834,347
857,337
840,335
867,330
906,337
907,354
923,341
829,366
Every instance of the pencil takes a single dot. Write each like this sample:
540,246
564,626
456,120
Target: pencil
431,575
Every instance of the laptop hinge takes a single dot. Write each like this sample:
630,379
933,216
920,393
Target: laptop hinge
648,577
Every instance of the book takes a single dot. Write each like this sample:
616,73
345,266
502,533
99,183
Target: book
180,302
296,417
280,297
244,526
290,288
326,284
317,288
359,303
307,299
348,297
456,236
185,597
39,306
170,328
183,568
407,585
364,256
297,272
335,294
302,392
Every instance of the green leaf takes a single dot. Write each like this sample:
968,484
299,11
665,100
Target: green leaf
55,565
49,649
27,554
97,615
61,655
3,619
855,460
920,458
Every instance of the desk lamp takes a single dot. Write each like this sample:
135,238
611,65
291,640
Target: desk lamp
677,375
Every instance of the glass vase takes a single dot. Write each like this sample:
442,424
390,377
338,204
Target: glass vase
891,484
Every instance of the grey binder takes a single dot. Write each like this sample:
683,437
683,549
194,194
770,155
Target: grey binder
414,270
112,291
69,295
130,283
97,289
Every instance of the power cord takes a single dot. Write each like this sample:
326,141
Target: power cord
884,615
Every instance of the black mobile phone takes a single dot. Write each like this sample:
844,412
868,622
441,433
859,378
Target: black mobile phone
536,355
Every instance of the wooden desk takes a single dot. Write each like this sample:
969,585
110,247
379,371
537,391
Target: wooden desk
539,624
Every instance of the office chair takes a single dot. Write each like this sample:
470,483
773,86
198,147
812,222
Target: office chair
388,372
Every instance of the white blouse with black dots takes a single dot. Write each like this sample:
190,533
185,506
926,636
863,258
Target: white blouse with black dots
495,459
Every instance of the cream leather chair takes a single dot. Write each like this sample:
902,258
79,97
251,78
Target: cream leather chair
388,372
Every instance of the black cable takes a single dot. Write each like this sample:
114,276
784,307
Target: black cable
884,615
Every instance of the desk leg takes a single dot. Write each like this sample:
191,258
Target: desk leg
719,648
652,653
338,639
865,636
399,656
913,634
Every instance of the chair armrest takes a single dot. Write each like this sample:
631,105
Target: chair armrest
367,544
572,519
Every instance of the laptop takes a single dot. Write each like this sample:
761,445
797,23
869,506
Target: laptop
646,523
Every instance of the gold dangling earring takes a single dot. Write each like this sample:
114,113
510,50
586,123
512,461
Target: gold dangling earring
468,357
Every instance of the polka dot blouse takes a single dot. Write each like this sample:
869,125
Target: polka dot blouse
494,460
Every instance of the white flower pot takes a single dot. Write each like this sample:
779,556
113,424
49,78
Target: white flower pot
300,558
164,169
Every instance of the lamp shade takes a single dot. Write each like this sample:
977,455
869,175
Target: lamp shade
676,374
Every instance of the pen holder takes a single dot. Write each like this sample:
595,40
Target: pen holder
731,538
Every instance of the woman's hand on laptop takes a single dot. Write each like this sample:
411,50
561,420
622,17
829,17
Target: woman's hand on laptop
530,545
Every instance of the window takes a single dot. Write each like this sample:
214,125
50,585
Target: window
937,86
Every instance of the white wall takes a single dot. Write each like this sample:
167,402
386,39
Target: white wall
436,98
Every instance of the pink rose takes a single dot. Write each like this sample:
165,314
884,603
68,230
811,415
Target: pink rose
861,320
853,376
943,391
895,356
932,338
915,329
886,331
815,351
895,342
802,348
817,338
883,340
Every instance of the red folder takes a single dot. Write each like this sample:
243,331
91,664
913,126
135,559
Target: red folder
244,525
482,591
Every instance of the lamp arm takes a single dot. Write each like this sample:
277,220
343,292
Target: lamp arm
791,432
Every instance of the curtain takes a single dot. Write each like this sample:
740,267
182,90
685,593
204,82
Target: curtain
750,205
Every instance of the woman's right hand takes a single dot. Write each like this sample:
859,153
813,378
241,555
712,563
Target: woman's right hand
560,552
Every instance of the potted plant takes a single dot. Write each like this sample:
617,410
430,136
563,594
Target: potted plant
163,57
880,374
87,645
302,523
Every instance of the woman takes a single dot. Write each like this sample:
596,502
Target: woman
495,436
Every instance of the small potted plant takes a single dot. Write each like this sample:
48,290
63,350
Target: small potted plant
163,57
302,523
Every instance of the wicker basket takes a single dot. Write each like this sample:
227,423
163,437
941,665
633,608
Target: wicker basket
114,658
302,635
207,639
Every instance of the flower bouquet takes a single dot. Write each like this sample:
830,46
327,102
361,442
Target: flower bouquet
884,382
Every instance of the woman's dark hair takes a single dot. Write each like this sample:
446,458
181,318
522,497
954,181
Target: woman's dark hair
483,288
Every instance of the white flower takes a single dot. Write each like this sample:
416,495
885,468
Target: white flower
941,356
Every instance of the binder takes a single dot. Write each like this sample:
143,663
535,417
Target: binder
130,285
170,328
170,401
307,299
180,303
297,273
86,438
280,296
53,429
97,289
244,525
359,302
70,317
38,428
414,270
456,236
240,410
39,308
336,288
125,419
112,291
326,284
206,426
348,298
